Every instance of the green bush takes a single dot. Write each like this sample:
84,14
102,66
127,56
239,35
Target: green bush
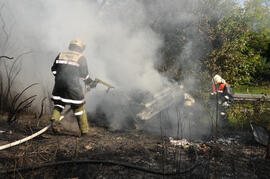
239,115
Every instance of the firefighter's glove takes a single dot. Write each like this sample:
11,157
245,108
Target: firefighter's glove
93,84
226,104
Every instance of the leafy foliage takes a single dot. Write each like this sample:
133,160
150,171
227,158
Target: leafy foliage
239,115
242,55
218,37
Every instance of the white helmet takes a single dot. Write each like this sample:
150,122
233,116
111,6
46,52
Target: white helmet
77,45
218,79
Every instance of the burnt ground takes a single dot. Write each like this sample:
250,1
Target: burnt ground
126,154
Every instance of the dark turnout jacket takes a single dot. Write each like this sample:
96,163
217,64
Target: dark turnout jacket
69,68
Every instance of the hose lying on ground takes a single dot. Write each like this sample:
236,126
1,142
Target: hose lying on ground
37,133
25,139
106,162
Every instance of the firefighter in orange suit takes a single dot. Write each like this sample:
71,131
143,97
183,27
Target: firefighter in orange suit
224,94
69,68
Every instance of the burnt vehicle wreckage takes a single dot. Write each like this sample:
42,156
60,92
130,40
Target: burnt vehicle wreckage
138,109
108,152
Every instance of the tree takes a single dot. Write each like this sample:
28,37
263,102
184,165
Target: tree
243,35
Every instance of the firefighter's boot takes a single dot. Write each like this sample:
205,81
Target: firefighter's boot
55,119
81,116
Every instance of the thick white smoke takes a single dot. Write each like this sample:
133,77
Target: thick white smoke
118,51
121,47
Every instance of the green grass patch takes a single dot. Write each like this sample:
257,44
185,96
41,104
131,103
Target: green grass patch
239,115
237,119
252,89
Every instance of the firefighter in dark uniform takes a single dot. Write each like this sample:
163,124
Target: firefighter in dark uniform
69,68
224,94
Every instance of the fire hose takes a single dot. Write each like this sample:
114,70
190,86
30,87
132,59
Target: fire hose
104,162
110,162
48,126
25,139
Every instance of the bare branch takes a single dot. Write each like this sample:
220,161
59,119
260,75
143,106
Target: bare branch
42,108
10,58
16,98
21,107
11,74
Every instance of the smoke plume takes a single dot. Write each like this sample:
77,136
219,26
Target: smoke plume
121,46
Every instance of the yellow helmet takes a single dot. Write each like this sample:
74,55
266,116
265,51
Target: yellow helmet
77,45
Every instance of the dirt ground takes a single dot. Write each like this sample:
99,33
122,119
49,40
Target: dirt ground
126,154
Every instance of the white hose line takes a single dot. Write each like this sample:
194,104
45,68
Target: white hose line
25,139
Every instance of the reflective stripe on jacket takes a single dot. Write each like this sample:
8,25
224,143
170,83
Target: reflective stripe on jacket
220,87
69,68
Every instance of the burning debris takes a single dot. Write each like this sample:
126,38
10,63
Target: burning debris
119,54
136,148
120,109
182,142
226,141
164,99
205,146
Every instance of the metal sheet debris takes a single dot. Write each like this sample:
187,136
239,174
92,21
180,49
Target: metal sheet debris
163,100
260,134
